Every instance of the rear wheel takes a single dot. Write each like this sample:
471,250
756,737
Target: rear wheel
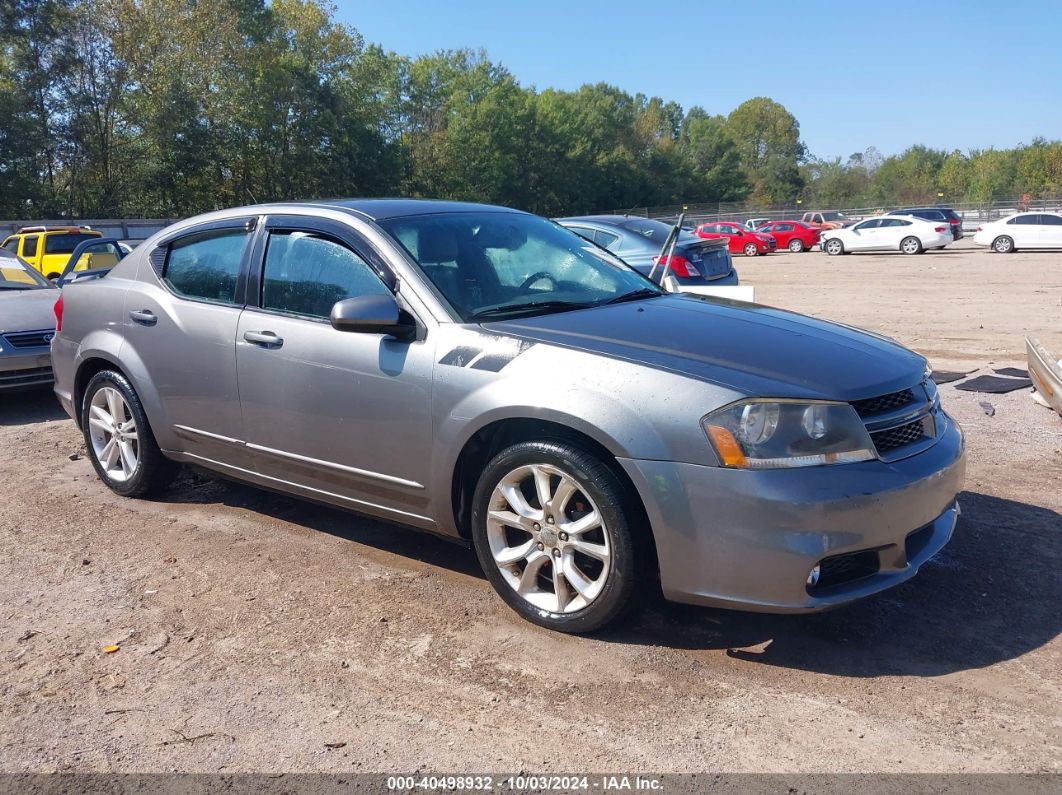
1003,245
833,247
550,524
751,250
119,440
911,245
796,245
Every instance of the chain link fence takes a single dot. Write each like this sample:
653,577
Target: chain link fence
973,214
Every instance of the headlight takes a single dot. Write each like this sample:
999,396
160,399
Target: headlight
766,434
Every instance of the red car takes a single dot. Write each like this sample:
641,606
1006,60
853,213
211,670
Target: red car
792,235
739,239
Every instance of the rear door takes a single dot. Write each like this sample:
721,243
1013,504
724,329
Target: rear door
1050,230
343,415
1026,230
181,316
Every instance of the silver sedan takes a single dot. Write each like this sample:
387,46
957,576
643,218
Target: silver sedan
483,374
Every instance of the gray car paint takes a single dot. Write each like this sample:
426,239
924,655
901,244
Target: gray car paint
25,310
376,425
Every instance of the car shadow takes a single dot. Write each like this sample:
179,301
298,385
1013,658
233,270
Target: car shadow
194,487
29,406
991,595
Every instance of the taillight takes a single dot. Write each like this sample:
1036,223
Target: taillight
954,221
941,229
58,309
680,266
978,229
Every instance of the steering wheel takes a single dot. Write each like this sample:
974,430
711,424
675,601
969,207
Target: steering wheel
534,277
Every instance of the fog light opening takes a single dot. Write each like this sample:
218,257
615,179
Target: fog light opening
813,577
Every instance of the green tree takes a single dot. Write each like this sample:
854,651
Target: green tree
768,139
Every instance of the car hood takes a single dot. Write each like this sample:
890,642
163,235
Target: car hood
755,350
27,310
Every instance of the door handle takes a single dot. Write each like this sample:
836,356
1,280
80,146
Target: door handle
266,339
144,317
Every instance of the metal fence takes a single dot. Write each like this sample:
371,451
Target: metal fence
973,214
121,228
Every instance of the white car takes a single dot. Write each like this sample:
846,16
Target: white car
1022,230
888,233
755,223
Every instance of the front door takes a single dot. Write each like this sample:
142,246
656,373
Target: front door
180,323
865,236
345,416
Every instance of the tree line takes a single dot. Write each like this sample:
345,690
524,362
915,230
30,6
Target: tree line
159,108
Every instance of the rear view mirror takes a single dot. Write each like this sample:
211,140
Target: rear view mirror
372,314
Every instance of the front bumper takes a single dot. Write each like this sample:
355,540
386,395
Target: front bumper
748,539
25,369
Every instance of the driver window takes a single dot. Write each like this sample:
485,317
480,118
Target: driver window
306,274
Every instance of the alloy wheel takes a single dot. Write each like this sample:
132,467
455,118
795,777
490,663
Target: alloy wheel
548,538
114,434
796,246
751,250
910,245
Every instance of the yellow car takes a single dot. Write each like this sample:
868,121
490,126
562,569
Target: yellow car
48,248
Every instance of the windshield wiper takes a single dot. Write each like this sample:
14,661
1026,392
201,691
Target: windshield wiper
529,306
636,295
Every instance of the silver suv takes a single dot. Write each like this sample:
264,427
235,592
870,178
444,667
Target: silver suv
486,374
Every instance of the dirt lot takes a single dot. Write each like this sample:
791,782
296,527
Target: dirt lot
261,633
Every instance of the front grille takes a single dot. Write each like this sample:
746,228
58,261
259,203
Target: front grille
29,377
30,339
899,436
879,405
841,569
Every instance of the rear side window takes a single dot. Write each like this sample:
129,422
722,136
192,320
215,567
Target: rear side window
604,239
1051,220
63,244
306,274
29,246
206,266
783,228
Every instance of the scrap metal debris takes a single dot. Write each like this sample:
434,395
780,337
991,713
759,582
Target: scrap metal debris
994,384
990,410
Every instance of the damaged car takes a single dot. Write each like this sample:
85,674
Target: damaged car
481,373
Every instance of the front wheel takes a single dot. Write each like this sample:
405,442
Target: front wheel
796,246
911,245
751,250
1003,245
119,440
834,247
551,529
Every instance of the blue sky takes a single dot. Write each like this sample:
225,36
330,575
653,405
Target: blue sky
956,74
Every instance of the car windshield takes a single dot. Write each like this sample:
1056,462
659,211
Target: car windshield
490,265
17,275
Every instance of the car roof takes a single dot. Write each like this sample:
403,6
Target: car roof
381,209
610,220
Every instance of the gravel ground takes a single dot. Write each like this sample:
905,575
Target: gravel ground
257,632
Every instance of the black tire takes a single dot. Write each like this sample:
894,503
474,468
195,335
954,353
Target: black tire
153,470
1003,245
911,245
833,247
796,245
629,552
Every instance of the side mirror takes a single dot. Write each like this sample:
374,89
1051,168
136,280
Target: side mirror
372,314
